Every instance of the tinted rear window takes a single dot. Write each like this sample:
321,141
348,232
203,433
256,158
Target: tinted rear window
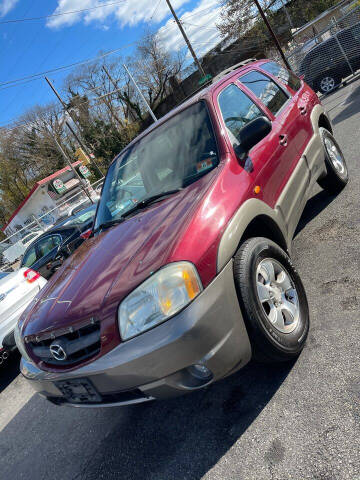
285,76
267,91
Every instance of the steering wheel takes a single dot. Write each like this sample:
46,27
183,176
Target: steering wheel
232,122
125,193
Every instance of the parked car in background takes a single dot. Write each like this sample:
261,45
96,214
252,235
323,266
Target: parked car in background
98,189
77,208
15,251
327,64
48,252
187,274
29,238
17,290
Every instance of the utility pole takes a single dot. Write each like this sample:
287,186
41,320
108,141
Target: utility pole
67,110
68,161
140,93
186,39
276,41
283,2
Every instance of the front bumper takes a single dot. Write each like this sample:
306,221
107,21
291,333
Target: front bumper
155,365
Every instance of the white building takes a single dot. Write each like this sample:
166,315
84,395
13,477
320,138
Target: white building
49,199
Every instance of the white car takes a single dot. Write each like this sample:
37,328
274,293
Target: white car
15,251
17,289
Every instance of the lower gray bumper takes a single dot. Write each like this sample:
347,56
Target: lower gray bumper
154,365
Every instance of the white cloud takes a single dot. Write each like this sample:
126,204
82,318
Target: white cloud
128,12
6,6
199,25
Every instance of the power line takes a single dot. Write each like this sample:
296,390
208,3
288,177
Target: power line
155,9
200,27
198,11
65,67
18,20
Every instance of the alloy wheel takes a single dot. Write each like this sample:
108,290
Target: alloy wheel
327,84
336,157
277,295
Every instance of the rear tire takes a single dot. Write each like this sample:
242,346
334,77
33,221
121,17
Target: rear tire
337,175
328,83
272,299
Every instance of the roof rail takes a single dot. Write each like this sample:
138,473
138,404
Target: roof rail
232,68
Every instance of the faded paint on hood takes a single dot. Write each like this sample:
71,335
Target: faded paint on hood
106,268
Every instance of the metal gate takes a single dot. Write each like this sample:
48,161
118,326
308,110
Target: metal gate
332,55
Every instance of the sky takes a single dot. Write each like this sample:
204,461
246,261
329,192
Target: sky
35,46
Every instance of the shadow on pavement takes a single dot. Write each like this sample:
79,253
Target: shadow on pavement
350,107
178,438
9,370
314,207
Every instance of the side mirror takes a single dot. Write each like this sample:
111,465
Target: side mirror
251,134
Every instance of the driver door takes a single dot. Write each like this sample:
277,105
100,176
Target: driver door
270,160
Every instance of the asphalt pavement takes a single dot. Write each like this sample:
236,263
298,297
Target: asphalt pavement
289,422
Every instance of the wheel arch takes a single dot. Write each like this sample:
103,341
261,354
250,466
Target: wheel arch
253,219
264,226
325,123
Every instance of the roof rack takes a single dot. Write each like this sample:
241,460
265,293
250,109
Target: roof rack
232,68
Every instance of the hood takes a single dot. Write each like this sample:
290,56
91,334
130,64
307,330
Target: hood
106,268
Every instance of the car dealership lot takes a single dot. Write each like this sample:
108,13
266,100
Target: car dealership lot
284,422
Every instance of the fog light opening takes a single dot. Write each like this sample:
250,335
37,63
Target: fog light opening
201,372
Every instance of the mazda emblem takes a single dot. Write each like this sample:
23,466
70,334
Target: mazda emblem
58,352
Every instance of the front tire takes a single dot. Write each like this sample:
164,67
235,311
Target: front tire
337,175
273,300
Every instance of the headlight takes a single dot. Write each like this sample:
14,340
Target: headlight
20,344
158,298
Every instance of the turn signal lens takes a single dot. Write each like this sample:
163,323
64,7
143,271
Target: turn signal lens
191,283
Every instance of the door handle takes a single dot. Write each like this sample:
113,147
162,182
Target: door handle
283,140
303,110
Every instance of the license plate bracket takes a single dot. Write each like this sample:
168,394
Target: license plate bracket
79,390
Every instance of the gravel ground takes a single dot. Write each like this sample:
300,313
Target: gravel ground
288,422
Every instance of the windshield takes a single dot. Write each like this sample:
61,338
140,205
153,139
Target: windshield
83,216
172,156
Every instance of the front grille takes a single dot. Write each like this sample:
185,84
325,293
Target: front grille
69,348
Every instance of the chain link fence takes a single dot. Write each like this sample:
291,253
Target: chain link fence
14,246
330,56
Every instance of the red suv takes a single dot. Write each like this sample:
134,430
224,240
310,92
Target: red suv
187,273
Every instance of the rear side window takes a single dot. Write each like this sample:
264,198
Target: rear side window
29,258
284,75
237,110
267,91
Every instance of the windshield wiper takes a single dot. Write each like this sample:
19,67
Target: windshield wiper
149,200
108,224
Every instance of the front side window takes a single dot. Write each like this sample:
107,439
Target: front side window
171,156
284,75
267,91
30,257
237,110
47,244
